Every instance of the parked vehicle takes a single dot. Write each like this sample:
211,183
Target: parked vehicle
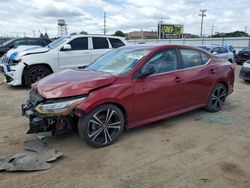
243,56
245,71
128,87
26,66
230,48
13,43
219,51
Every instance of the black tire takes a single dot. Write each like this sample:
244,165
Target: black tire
238,63
102,126
34,74
217,98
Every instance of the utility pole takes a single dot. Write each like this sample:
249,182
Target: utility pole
212,29
246,29
34,34
104,23
202,16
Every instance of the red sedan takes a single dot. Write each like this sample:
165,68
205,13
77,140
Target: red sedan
129,87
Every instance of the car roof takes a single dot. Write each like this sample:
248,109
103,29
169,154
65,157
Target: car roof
159,46
96,35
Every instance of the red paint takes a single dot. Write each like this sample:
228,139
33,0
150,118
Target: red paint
143,100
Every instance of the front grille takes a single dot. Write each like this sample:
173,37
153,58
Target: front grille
5,59
34,97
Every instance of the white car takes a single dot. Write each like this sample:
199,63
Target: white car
27,65
219,51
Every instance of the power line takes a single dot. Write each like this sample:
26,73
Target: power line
202,16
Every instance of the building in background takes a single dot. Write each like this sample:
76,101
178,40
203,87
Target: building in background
142,35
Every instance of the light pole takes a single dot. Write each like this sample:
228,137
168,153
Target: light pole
202,16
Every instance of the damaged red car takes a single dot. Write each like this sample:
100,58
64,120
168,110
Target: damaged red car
128,87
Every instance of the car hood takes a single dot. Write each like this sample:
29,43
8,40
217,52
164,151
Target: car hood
17,53
72,82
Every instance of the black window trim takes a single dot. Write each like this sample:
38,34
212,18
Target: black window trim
109,44
116,39
61,49
198,66
135,76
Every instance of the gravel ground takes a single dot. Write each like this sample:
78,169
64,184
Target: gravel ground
196,149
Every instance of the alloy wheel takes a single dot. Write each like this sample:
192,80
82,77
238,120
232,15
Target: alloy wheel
218,97
37,74
104,126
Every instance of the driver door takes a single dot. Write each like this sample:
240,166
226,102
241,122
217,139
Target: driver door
78,56
159,93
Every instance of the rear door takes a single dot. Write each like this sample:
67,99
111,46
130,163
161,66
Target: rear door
196,76
224,54
100,46
78,56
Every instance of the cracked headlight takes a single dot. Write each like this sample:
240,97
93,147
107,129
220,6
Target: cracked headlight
58,108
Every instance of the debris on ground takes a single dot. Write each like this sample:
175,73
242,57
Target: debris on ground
22,162
37,159
41,149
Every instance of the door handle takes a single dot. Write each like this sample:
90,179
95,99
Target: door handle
212,71
177,79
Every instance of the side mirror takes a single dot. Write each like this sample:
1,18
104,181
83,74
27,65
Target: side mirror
215,53
66,47
147,70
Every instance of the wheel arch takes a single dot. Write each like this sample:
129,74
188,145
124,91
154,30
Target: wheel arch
27,67
225,84
115,103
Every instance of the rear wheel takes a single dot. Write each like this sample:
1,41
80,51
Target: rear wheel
102,126
217,98
34,74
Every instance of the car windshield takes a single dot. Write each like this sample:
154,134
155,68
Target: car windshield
57,42
119,61
7,42
205,48
246,49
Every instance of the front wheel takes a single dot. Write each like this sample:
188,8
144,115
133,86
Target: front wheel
217,98
102,126
34,74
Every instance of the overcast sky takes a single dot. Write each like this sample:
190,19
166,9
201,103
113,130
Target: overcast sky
19,16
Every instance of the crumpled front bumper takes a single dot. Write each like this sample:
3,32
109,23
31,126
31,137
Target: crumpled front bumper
13,74
43,123
37,122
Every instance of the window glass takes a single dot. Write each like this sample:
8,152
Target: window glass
118,61
164,61
36,42
20,42
246,49
215,50
204,58
191,58
58,42
223,50
116,43
80,43
100,43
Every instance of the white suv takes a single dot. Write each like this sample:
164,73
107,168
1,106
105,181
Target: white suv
26,66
